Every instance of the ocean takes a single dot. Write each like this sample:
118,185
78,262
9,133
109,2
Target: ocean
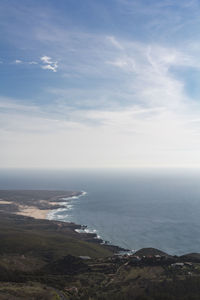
132,208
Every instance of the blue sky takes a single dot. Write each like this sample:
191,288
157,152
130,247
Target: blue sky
112,83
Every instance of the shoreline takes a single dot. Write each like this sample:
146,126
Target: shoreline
37,213
46,203
41,205
82,229
62,204
37,204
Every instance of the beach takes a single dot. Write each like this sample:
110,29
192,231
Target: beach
34,203
34,212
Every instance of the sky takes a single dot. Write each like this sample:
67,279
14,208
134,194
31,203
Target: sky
99,83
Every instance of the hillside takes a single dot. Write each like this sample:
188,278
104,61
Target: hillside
42,259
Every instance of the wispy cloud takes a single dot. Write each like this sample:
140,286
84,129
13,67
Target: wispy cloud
135,136
10,104
46,59
114,41
32,62
49,64
45,62
121,98
18,61
50,67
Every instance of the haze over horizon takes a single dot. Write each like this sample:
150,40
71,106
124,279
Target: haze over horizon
110,83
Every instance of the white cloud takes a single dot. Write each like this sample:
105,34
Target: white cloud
132,137
125,63
32,63
18,61
50,67
139,114
114,42
49,64
9,104
46,59
24,62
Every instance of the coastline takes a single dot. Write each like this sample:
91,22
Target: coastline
81,229
51,253
37,204
62,204
44,204
47,214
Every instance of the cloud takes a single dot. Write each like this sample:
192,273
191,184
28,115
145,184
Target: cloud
49,64
32,62
114,41
24,62
128,137
18,61
50,67
46,59
125,63
126,105
9,104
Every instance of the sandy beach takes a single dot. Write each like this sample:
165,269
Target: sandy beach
5,202
33,203
32,211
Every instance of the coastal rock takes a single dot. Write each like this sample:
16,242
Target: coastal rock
150,252
192,257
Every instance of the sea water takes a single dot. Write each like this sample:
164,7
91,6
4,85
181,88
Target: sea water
129,208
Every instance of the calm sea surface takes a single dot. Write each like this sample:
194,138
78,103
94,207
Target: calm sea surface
129,208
